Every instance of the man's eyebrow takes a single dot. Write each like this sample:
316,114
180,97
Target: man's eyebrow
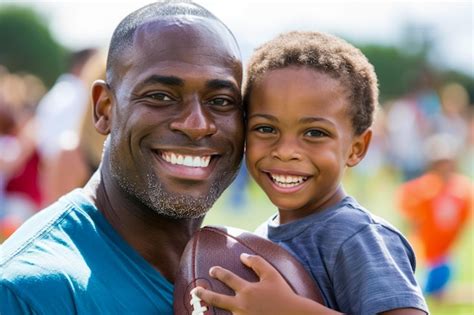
162,79
222,84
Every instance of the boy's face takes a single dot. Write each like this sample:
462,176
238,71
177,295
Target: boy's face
300,139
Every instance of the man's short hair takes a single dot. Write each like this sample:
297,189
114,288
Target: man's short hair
122,37
327,54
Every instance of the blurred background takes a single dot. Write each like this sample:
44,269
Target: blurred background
418,173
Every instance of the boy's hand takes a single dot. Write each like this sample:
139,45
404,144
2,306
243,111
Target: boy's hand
271,295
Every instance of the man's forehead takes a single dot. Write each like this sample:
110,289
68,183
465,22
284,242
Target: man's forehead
170,32
185,41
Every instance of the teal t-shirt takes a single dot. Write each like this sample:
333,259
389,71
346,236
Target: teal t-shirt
67,259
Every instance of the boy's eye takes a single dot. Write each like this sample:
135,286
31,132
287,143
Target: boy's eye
265,129
315,133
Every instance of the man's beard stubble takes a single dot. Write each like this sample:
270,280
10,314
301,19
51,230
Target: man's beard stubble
163,202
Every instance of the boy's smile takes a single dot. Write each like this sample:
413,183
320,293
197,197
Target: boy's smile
300,139
287,181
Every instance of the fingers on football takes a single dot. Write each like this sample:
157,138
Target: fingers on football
228,278
214,299
261,267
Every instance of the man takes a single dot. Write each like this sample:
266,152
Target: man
172,109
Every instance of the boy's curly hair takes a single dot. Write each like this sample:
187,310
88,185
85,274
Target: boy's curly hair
325,53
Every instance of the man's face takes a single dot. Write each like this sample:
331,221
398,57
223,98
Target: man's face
177,127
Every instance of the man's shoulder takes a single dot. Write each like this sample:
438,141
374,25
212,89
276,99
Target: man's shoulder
42,234
40,259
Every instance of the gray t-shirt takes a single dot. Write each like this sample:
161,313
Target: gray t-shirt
362,264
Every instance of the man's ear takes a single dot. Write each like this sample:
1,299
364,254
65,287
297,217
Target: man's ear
102,100
360,145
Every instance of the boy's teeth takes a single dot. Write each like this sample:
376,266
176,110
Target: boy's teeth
288,181
186,160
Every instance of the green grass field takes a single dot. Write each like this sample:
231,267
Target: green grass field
376,193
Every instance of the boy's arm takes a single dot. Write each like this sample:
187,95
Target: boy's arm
271,295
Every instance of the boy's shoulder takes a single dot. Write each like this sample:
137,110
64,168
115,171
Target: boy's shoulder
334,225
354,216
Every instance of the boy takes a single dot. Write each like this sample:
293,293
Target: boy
310,100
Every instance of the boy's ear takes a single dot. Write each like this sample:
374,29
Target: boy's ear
102,100
360,145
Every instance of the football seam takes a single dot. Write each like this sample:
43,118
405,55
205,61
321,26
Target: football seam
195,241
249,247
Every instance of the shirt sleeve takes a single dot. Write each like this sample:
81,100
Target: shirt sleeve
374,272
11,303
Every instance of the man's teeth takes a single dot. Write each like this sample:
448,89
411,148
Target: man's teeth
288,181
186,160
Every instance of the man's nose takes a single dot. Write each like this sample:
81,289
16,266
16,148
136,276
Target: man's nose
194,121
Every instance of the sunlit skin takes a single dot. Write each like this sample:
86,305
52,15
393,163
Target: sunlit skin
174,94
299,126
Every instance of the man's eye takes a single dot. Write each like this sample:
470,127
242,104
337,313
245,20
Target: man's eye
315,133
220,101
265,129
159,97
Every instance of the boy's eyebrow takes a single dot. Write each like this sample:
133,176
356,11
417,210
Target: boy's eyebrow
307,120
266,116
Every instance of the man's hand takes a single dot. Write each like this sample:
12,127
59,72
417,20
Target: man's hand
271,295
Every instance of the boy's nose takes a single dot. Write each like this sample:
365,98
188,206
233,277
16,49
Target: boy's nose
286,149
194,121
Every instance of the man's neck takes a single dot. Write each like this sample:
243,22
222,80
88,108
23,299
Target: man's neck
158,239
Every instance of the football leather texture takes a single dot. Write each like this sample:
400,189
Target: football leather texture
222,246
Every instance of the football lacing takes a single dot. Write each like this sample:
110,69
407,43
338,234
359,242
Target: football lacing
198,309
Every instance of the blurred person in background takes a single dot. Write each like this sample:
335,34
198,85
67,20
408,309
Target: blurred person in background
466,163
437,206
59,116
20,194
453,117
79,153
410,122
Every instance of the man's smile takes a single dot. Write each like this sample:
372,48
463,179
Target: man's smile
187,164
186,160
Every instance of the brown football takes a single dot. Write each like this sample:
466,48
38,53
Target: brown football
222,246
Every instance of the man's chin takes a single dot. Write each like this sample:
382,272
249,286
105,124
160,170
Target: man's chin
181,206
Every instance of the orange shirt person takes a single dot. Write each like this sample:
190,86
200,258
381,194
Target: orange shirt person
438,205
